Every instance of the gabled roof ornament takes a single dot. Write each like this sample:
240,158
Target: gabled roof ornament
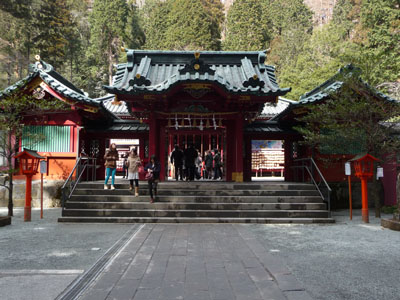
197,66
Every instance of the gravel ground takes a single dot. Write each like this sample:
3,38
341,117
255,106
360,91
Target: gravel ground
39,259
346,260
46,244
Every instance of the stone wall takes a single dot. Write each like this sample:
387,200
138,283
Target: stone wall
51,193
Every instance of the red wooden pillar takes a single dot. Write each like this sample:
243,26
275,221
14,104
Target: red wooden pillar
239,147
28,199
153,135
364,199
230,163
162,156
288,160
247,159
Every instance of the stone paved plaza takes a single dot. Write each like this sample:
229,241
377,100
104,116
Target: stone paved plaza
347,260
195,262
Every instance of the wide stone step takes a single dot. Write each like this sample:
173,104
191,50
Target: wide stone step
198,199
196,220
156,213
203,192
195,206
209,185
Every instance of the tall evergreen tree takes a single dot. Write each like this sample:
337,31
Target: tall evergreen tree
244,27
53,25
380,20
108,21
190,27
135,37
153,20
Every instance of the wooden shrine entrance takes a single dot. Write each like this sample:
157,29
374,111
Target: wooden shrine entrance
204,98
202,140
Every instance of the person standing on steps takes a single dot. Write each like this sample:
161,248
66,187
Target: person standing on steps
153,176
125,165
217,165
190,155
177,161
111,157
133,164
209,165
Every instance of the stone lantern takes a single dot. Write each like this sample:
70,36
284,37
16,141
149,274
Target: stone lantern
364,167
28,165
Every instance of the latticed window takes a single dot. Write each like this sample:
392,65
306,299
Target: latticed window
47,138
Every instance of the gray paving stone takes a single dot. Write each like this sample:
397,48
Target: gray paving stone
287,282
172,291
196,262
96,294
297,295
146,294
124,289
175,269
197,295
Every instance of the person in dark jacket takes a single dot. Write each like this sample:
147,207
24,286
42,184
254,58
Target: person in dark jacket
111,157
153,167
125,165
190,155
177,161
209,164
217,165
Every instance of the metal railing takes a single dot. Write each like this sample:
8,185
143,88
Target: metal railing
310,172
83,164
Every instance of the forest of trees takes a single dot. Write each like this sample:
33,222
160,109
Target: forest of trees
82,39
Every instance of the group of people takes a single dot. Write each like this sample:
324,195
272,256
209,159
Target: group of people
132,163
189,164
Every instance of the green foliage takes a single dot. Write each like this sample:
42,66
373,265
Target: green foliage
365,33
389,209
83,45
244,30
153,18
190,27
286,15
134,37
13,109
54,28
354,113
321,55
108,21
182,24
16,8
381,48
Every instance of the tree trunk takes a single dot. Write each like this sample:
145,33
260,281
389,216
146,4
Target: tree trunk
376,192
396,215
10,190
110,65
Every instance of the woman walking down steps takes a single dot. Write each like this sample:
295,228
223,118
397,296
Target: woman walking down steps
133,164
111,158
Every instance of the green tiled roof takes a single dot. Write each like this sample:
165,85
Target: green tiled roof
60,84
157,71
53,79
122,125
16,86
267,127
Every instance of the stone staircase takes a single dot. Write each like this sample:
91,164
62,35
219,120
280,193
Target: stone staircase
198,202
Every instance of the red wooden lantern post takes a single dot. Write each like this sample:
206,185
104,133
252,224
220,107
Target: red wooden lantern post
28,164
364,166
